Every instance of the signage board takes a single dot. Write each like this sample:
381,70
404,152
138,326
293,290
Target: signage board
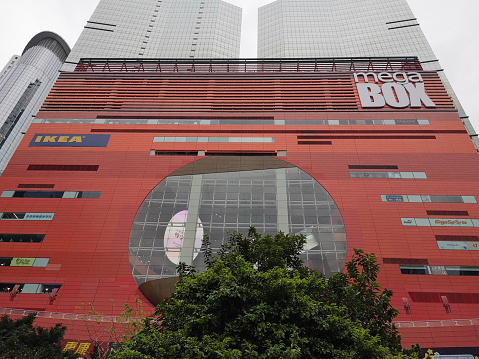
22,262
397,90
38,216
64,140
394,198
408,221
460,246
450,222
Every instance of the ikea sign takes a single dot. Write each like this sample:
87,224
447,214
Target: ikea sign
60,140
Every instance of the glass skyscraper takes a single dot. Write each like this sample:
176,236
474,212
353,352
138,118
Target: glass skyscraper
160,29
24,84
345,28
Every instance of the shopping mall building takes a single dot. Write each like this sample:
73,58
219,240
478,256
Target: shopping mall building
131,160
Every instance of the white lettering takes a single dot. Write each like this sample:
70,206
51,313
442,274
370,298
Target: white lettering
395,95
415,77
402,80
418,95
385,77
366,76
398,90
370,95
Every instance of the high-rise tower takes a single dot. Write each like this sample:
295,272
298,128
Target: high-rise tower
24,84
345,28
160,29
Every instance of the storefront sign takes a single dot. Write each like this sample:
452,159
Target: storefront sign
440,222
22,262
38,216
60,140
435,222
458,246
398,90
392,198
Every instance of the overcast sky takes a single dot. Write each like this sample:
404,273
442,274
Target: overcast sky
451,27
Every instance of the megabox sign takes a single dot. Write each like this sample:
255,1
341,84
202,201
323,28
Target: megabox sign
398,90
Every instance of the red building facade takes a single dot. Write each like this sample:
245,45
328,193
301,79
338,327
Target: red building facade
396,175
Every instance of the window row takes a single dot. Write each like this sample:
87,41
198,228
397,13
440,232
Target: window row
216,139
427,198
51,194
218,153
23,262
373,167
90,168
17,216
29,288
440,222
439,270
22,238
403,175
233,122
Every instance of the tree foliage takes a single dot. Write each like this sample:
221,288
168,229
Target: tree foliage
20,339
257,300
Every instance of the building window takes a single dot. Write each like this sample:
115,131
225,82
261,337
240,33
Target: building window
463,271
439,270
215,139
63,168
29,288
218,194
8,287
235,121
373,167
22,238
32,185
391,175
51,194
414,269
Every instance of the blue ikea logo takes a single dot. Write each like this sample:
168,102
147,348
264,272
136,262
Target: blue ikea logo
60,140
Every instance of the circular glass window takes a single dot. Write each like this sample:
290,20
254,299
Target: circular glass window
219,194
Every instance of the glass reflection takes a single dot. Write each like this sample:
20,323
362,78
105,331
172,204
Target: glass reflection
219,194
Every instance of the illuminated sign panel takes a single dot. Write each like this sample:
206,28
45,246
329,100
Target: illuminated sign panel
398,90
38,216
461,246
22,262
440,222
61,140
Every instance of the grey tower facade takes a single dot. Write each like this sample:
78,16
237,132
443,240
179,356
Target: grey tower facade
24,85
160,29
345,28
9,66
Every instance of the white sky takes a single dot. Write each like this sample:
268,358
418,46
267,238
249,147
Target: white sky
451,27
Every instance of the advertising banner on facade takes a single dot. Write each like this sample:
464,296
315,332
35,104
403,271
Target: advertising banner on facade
62,140
39,216
22,262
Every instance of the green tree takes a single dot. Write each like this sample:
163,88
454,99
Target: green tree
257,300
20,339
